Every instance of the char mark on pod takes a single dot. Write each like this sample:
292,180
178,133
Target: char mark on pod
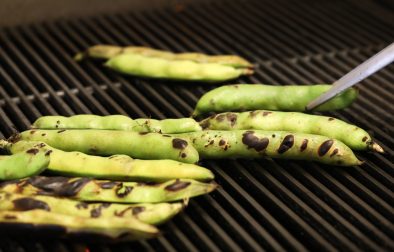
32,151
334,152
286,144
59,186
325,147
82,205
253,142
304,145
331,119
122,191
135,210
26,204
265,113
178,143
40,145
232,118
61,131
108,185
48,153
96,212
177,185
220,117
364,138
205,124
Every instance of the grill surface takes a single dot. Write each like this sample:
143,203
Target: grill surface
262,204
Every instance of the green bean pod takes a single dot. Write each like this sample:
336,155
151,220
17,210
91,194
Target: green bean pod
117,122
186,70
61,225
110,51
244,97
213,144
119,167
30,162
153,214
88,189
351,135
112,142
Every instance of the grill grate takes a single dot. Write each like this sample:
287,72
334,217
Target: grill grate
262,204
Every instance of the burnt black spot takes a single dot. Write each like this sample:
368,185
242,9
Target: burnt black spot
26,204
286,144
166,135
108,185
253,142
273,136
222,142
334,152
304,145
10,217
61,131
138,209
33,151
32,132
57,122
106,204
253,113
82,205
58,186
232,118
205,124
43,134
177,185
183,155
265,113
48,153
331,119
122,191
40,145
178,143
122,213
143,133
220,117
95,212
225,147
325,147
148,183
364,139
211,142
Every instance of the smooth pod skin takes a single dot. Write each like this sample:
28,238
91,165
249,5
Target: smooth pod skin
351,135
244,97
112,142
121,167
87,189
117,122
61,225
214,144
29,162
153,214
109,51
187,70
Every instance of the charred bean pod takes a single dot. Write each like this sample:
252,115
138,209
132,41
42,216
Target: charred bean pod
187,70
117,122
120,167
59,225
88,189
109,51
213,144
154,214
244,97
354,137
32,161
112,142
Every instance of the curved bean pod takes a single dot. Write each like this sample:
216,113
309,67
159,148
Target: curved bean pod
143,66
351,135
87,189
154,214
244,97
40,220
117,122
30,162
112,142
109,51
213,144
120,167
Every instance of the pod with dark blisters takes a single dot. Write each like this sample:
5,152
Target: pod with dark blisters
244,97
121,167
113,142
29,162
110,228
351,135
87,189
214,144
117,122
148,213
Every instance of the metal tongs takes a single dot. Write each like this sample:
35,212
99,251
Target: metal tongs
370,66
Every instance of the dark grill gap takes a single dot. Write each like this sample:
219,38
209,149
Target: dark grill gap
264,204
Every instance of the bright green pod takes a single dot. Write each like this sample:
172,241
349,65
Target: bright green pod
151,67
88,189
214,144
109,51
61,225
112,142
117,122
32,161
354,137
119,167
153,214
244,97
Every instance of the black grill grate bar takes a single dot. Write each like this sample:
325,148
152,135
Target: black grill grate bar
179,238
22,122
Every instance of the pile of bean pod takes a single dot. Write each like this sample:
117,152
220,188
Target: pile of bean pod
153,63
